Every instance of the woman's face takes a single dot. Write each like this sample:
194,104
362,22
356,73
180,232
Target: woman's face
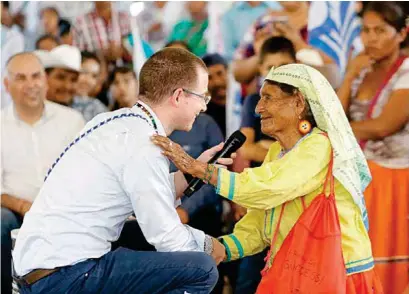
380,38
279,112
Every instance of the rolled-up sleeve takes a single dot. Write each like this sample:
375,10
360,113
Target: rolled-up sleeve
299,172
147,181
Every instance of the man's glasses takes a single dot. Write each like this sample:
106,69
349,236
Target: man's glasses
205,97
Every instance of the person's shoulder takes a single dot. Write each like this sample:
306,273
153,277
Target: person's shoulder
62,112
251,100
6,114
317,140
206,119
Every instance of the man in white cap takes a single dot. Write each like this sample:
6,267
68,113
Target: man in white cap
63,65
34,132
110,171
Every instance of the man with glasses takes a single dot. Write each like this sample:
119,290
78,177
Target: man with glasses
110,171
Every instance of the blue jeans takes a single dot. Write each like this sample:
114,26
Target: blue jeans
249,273
9,222
129,271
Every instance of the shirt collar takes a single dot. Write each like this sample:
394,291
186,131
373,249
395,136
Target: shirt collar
161,129
47,113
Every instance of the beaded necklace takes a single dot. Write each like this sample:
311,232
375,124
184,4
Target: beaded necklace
146,111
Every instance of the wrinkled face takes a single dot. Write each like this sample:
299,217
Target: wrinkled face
189,105
274,60
88,78
26,81
61,85
124,89
279,111
49,20
380,38
47,44
218,82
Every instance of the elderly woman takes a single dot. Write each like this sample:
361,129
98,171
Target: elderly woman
375,96
301,111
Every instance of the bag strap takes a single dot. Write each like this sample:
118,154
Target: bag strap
375,99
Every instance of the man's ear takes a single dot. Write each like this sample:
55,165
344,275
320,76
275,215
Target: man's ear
176,95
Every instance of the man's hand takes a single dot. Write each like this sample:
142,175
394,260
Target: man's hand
209,153
219,251
183,215
24,207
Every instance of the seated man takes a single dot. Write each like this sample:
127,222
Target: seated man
34,132
110,171
63,65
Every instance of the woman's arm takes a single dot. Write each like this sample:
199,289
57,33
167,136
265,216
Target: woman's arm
298,173
394,117
247,237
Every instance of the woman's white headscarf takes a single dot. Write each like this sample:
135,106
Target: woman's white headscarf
350,165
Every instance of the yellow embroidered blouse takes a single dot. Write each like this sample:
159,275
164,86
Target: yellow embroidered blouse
263,190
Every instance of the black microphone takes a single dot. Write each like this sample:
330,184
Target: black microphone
233,143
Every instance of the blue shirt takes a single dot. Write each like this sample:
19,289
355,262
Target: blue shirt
238,19
204,134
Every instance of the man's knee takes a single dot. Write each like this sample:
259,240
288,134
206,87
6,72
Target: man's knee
209,268
9,222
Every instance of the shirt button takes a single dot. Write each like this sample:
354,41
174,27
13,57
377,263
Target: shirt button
86,275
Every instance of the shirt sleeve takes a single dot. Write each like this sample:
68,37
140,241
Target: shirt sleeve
147,181
402,81
299,172
248,120
247,237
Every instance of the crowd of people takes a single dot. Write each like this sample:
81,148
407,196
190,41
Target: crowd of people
75,76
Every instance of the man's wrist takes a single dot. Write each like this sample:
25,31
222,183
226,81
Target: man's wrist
208,245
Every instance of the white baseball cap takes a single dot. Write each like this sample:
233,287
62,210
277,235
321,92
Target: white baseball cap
63,56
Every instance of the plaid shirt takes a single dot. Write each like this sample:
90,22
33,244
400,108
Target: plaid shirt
89,107
246,49
92,33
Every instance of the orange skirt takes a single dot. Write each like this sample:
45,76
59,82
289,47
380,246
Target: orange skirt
387,201
364,283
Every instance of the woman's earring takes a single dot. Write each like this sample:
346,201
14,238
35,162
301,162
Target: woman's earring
304,127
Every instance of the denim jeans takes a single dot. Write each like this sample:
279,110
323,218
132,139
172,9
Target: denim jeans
9,222
129,271
249,273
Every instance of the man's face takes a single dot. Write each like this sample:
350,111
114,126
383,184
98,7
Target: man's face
47,44
26,81
218,82
88,78
124,89
191,105
61,85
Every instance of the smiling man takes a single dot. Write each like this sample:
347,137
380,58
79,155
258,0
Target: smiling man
109,172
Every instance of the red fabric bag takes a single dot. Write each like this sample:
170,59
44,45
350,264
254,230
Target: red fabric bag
310,259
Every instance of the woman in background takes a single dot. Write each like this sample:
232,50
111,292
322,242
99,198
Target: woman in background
375,95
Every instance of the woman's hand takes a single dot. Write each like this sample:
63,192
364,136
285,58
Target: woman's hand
359,63
209,153
175,153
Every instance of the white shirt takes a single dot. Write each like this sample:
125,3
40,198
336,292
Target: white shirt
27,151
110,172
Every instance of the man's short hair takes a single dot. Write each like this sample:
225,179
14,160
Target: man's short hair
86,55
50,8
275,45
64,27
167,70
47,37
120,70
214,59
